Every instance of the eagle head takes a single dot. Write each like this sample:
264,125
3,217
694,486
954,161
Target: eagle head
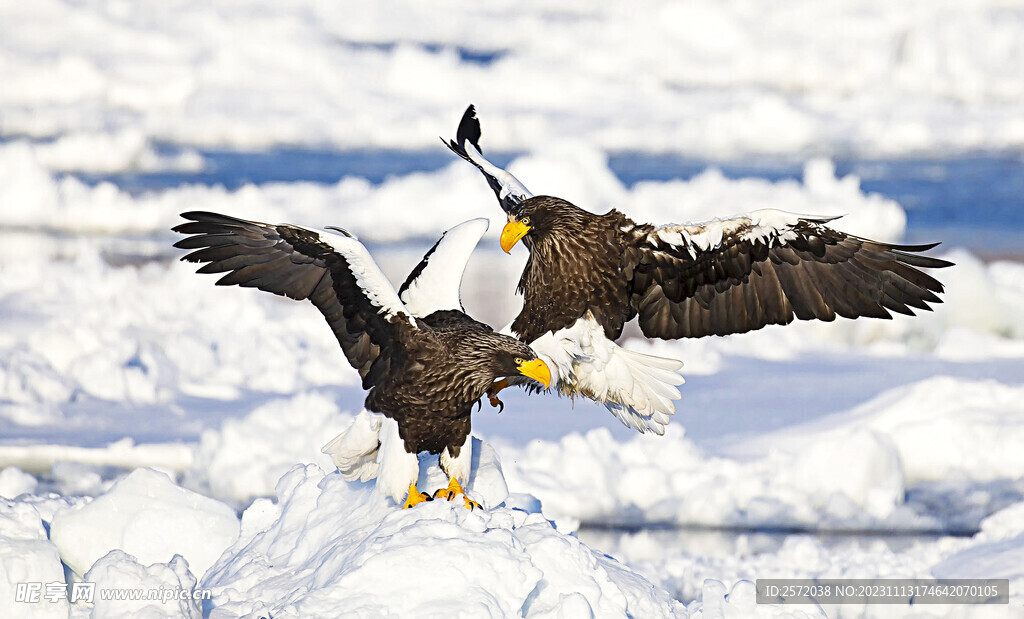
508,358
535,218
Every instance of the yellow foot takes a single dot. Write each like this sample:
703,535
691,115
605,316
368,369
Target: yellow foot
453,490
415,497
492,393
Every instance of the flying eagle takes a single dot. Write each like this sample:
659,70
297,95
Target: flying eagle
422,359
587,275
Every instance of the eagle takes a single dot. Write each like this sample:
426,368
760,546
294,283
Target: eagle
422,359
587,275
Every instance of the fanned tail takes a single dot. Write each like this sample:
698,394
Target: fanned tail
643,391
354,451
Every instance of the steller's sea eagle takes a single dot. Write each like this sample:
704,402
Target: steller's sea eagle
422,359
587,275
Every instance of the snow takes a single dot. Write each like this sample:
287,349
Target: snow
848,471
704,77
120,570
142,408
282,432
144,514
298,557
14,481
26,555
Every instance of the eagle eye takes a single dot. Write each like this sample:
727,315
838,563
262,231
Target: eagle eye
526,221
519,361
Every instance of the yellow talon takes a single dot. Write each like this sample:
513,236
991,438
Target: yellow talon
453,490
415,497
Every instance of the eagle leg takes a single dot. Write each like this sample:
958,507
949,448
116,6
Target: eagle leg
415,497
453,490
492,393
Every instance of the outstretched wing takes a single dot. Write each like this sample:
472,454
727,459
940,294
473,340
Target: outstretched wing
740,274
434,283
334,271
506,187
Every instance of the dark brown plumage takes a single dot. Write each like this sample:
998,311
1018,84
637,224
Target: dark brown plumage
575,265
587,275
424,373
713,278
754,276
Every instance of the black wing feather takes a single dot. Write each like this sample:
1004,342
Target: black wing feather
294,262
748,282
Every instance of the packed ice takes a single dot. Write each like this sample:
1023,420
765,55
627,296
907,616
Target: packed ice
160,437
698,77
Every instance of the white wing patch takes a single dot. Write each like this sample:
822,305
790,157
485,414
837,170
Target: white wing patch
638,389
436,287
769,226
510,185
705,236
773,227
370,279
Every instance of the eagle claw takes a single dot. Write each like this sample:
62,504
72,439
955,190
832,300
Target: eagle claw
492,394
496,403
415,497
453,490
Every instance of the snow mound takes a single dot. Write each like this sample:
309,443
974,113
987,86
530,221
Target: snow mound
27,556
119,570
148,516
330,547
14,481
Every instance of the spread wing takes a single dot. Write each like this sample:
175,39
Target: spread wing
740,274
333,271
434,283
506,187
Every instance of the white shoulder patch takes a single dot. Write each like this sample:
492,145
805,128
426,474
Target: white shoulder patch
369,277
768,226
705,236
775,227
436,286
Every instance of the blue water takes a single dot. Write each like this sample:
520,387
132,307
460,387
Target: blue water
973,201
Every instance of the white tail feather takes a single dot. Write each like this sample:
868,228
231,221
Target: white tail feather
638,389
354,451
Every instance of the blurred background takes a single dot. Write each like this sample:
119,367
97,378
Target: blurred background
905,117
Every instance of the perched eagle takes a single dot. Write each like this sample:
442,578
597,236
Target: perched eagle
422,359
587,275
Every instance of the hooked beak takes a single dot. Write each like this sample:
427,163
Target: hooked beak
537,370
511,233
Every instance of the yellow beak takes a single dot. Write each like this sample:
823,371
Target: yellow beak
511,233
537,370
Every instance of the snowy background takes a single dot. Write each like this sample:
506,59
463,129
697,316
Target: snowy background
143,410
